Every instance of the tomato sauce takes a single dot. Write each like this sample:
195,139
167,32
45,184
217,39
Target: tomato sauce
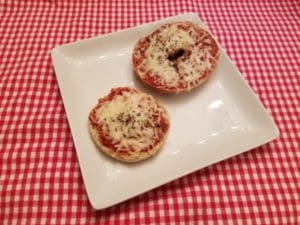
201,39
108,142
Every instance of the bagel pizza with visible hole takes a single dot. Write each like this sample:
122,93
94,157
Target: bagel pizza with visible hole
128,124
176,57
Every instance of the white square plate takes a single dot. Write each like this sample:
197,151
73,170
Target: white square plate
220,119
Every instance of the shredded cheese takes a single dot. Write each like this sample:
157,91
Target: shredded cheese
169,40
129,121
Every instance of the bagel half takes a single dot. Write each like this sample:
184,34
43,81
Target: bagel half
176,57
128,125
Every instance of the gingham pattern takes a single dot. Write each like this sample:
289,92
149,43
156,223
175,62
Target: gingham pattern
40,180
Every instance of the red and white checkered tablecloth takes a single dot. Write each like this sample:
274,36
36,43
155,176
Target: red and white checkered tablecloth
40,179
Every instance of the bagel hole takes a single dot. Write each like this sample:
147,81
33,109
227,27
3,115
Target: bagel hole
175,55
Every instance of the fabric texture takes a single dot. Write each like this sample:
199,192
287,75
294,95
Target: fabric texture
40,179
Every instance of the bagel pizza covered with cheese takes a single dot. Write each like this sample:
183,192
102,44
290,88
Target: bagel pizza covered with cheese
128,124
176,57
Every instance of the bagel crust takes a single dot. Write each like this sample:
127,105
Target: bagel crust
128,125
176,57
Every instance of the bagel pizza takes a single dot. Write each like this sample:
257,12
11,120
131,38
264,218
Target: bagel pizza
176,57
128,124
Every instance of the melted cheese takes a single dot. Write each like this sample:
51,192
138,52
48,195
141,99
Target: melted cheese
169,40
129,122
